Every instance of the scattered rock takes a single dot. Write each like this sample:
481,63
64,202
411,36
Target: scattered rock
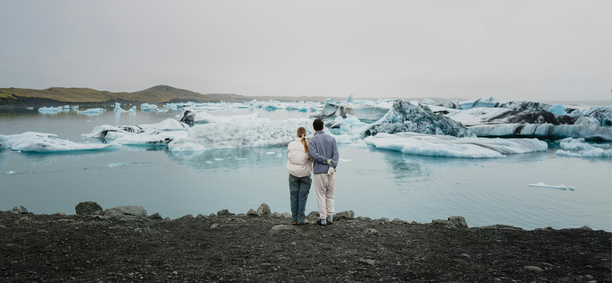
155,216
252,212
224,212
398,221
500,227
186,217
276,214
444,223
367,261
533,268
349,214
88,208
589,277
19,210
364,218
60,214
236,220
214,226
279,229
371,231
313,214
263,210
549,228
415,223
285,215
126,212
586,228
383,219
458,221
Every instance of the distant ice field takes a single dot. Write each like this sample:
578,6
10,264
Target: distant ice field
373,182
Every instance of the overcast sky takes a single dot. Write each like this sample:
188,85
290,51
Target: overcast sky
524,50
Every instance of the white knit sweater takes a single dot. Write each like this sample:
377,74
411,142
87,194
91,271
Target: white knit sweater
299,163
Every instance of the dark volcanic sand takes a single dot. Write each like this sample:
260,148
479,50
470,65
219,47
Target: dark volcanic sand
55,248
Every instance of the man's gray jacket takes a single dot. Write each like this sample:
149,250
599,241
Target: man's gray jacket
323,147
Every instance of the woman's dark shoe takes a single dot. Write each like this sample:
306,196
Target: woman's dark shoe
304,223
321,224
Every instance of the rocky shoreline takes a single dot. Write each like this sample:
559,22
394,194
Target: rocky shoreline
125,244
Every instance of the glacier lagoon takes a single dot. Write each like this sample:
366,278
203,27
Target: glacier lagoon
372,182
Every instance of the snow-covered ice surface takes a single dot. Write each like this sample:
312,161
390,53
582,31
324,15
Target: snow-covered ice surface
47,143
203,117
558,187
449,146
407,117
365,112
249,133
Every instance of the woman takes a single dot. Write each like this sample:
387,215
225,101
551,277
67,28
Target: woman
299,167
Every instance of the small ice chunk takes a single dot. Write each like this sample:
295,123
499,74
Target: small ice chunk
10,173
558,187
238,158
344,160
209,162
218,159
111,165
270,152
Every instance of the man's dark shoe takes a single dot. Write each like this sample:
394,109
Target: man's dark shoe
319,223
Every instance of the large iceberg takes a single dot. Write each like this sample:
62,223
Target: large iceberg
594,123
160,133
46,143
407,117
449,146
365,112
203,117
248,133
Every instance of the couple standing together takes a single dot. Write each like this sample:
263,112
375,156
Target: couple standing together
320,156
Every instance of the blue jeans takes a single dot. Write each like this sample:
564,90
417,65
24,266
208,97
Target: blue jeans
299,188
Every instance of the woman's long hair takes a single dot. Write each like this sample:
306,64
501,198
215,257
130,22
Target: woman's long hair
301,131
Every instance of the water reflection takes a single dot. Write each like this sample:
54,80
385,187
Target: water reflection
224,159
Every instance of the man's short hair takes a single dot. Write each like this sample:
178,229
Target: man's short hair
317,124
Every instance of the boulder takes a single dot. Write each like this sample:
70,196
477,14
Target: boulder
458,221
371,231
128,211
349,214
88,208
263,210
285,215
313,214
252,212
586,228
19,210
398,221
224,212
155,216
442,222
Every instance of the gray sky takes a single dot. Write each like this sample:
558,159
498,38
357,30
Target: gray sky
523,50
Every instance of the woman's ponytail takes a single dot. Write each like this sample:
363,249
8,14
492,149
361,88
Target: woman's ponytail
301,131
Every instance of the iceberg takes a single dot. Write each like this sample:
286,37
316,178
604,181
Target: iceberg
449,146
160,133
148,107
558,187
50,109
118,109
406,117
248,133
365,112
578,148
204,117
46,143
91,111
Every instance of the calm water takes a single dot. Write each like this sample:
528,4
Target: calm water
371,182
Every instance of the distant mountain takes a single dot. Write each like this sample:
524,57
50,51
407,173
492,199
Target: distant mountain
86,96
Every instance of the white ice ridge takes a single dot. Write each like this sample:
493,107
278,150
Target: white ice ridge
205,118
249,133
579,148
41,142
449,146
558,187
118,108
146,134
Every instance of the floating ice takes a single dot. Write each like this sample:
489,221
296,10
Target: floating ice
91,111
238,158
363,112
160,133
558,187
10,173
270,152
44,143
50,109
203,117
344,160
148,107
249,133
578,148
406,117
30,108
449,146
111,165
557,109
118,109
218,159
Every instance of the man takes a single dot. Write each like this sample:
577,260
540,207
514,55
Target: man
324,151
